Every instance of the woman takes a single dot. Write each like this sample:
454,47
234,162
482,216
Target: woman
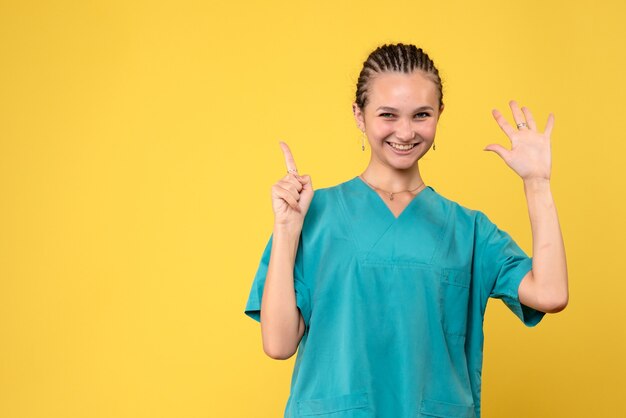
379,282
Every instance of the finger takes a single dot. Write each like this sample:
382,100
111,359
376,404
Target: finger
293,189
291,164
307,184
291,183
504,125
518,116
529,118
549,125
287,197
498,149
304,179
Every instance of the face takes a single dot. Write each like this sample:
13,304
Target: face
400,118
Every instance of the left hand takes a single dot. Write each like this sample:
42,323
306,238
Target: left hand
530,155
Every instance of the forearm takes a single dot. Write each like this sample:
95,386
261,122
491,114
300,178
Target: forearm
280,317
549,268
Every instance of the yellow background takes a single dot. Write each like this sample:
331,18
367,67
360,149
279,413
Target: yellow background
139,142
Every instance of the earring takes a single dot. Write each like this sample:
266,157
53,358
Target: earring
434,147
363,141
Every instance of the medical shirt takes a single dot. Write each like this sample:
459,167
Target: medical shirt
394,306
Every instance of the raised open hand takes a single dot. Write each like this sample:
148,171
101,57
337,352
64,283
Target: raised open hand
291,195
530,156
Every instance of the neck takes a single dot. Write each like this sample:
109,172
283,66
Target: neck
391,179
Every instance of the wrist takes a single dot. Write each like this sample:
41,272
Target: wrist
287,230
537,183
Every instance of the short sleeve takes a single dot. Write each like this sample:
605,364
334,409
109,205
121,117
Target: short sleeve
500,265
253,306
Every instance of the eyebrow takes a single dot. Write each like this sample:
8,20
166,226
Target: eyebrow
393,109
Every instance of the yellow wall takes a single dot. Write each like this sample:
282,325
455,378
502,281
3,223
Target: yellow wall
138,144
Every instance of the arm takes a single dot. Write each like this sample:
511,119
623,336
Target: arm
282,325
545,287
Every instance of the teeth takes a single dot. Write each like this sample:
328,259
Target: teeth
401,147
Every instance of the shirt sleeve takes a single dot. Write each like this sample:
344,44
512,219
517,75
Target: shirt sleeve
500,265
303,301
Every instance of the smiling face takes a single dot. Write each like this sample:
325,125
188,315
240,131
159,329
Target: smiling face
400,118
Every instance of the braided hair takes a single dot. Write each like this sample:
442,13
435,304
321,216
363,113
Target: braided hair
399,58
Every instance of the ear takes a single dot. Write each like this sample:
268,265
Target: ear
440,111
358,116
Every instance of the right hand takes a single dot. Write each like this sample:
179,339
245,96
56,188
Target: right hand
291,195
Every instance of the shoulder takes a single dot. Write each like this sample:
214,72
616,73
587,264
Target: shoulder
327,201
462,215
343,186
329,194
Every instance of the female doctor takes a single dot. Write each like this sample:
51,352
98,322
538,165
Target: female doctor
379,282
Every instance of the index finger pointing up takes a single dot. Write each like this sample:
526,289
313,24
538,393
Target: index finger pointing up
291,164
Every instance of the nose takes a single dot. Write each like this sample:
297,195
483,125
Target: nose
404,131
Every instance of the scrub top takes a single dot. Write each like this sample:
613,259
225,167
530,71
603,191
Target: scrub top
394,306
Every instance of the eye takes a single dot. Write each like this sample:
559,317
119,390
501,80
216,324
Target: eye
384,115
422,115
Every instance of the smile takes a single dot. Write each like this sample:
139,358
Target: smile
401,147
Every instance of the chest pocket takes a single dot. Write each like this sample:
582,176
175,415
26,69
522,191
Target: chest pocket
454,301
419,292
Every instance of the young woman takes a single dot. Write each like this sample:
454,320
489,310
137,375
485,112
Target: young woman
380,283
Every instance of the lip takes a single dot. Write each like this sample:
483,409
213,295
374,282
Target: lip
400,152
